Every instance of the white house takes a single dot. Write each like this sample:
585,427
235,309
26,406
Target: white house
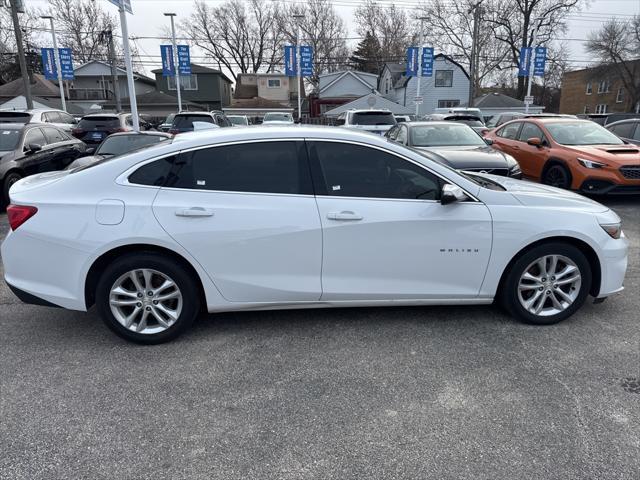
338,88
448,87
370,101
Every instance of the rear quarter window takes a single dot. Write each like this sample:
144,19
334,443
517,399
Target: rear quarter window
154,173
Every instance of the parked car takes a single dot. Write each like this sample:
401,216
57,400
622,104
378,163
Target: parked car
239,120
627,130
166,125
402,118
57,118
456,145
571,153
183,122
94,128
474,121
119,144
153,236
26,149
277,118
373,121
497,120
476,112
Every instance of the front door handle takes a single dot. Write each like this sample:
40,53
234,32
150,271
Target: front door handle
194,212
344,215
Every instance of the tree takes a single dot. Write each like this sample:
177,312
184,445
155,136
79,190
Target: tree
322,28
29,23
390,27
366,56
617,47
241,36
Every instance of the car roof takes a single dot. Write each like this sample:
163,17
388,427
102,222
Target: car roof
206,114
107,114
624,120
149,134
431,123
361,110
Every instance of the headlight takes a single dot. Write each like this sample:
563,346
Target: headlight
590,163
613,229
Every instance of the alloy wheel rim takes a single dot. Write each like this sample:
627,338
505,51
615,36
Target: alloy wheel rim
145,301
549,285
556,177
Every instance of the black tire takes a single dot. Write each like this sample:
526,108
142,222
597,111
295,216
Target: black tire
9,180
186,284
509,296
557,175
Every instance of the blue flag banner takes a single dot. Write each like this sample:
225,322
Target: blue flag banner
290,61
306,60
49,64
427,61
66,63
168,68
184,60
525,61
412,62
539,61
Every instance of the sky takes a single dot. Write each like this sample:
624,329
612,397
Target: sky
148,20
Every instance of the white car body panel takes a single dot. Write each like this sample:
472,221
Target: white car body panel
239,252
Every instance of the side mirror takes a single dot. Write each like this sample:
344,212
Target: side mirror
451,194
534,141
33,147
488,141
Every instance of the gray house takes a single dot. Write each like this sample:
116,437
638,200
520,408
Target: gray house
206,86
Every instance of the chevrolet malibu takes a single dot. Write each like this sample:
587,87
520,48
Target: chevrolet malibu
278,217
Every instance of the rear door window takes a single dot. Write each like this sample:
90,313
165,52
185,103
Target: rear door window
36,137
53,135
52,117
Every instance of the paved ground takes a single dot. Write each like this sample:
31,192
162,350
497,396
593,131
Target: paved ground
344,394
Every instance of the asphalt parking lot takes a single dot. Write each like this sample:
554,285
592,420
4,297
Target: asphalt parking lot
412,393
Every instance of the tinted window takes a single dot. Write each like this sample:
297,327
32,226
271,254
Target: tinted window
91,123
267,167
186,121
120,144
509,131
53,117
53,135
34,136
624,129
358,171
372,118
154,173
529,130
9,139
444,135
15,117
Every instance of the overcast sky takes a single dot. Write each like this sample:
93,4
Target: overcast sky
148,20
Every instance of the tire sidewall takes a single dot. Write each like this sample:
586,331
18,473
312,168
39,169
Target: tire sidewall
510,287
565,172
7,182
168,266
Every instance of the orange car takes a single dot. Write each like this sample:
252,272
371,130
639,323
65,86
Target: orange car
570,153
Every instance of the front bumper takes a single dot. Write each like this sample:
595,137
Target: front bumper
613,266
598,186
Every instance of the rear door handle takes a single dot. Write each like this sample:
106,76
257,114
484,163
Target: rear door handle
345,215
194,212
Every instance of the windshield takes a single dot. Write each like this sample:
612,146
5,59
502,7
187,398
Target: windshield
186,121
14,117
472,122
237,120
372,118
9,139
444,136
581,133
88,123
278,117
169,118
119,144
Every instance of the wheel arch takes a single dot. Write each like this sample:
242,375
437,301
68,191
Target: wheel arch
100,263
584,247
556,161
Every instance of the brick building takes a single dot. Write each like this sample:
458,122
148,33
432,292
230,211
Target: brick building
594,90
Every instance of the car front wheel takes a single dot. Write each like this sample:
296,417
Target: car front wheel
557,176
547,284
147,298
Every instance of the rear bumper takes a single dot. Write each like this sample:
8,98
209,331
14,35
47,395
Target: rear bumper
26,297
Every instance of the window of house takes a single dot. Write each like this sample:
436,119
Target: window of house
448,103
586,109
601,108
444,78
273,83
189,82
589,88
620,95
604,86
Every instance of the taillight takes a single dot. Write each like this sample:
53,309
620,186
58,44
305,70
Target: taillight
18,214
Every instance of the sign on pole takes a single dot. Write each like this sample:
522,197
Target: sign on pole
525,61
168,67
126,4
418,99
539,61
412,62
528,100
184,60
427,61
49,64
306,60
290,61
66,63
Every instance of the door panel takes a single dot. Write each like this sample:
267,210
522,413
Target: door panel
530,157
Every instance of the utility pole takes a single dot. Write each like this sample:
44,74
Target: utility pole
56,56
298,18
175,58
21,58
420,48
129,67
108,35
529,60
473,64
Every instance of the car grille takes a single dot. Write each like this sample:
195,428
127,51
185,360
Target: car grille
493,171
632,173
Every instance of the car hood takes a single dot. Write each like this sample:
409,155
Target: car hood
623,154
469,156
538,195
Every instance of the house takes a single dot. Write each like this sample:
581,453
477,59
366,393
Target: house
494,103
448,87
92,85
338,88
259,93
390,75
20,103
207,87
595,90
371,101
156,104
40,87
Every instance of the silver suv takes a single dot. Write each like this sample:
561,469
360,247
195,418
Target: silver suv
374,121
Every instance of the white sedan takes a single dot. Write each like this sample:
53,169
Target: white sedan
273,217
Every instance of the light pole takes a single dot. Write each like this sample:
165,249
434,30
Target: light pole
298,18
420,48
21,58
56,55
473,64
529,60
175,58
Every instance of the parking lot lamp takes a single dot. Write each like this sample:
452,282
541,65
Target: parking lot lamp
56,55
175,58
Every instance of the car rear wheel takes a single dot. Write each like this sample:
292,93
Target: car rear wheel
547,284
557,176
9,180
147,298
